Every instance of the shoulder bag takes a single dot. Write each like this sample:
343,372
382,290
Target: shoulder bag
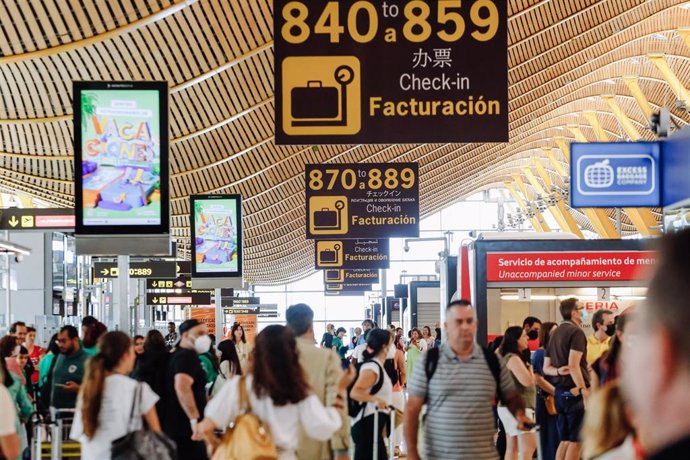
248,438
142,444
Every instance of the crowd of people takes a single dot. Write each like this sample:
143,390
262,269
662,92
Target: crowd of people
609,395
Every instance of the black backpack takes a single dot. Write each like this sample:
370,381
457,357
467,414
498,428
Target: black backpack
389,366
355,407
491,359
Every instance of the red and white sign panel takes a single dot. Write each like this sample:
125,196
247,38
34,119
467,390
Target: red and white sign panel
525,267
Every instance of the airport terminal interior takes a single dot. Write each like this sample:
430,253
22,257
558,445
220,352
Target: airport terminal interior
321,212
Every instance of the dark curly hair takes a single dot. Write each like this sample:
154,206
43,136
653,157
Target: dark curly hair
276,368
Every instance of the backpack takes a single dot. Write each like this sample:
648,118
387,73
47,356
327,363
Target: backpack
44,397
247,438
431,363
355,407
391,370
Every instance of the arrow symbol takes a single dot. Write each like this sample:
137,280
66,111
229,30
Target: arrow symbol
154,284
105,271
155,300
13,221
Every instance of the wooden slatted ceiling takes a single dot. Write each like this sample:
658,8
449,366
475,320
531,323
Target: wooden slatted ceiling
218,58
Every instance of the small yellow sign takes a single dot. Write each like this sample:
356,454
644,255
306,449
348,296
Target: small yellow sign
27,221
329,253
322,95
328,215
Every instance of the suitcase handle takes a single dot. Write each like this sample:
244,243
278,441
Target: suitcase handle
314,84
326,210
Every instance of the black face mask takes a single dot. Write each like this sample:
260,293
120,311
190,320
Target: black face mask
533,335
610,329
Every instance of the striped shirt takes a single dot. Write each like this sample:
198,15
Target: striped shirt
459,423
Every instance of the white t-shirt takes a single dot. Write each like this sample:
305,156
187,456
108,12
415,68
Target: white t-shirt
283,421
357,354
9,414
385,393
113,419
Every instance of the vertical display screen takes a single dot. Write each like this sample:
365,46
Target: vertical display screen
121,141
216,236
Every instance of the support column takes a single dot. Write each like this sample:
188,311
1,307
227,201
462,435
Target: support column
219,315
8,303
122,315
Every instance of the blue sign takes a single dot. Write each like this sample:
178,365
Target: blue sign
676,169
615,175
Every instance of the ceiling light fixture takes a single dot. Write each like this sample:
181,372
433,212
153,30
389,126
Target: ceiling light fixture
8,246
659,36
684,6
610,81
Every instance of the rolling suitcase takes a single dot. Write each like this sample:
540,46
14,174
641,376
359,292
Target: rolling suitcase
537,431
391,437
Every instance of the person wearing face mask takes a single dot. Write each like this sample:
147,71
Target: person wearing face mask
568,347
600,340
532,325
185,389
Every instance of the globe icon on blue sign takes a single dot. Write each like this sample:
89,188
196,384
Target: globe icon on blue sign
599,175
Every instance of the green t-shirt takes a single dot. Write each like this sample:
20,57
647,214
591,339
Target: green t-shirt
338,344
67,369
90,351
209,368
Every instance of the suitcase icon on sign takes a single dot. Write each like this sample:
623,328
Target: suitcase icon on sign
317,105
315,101
328,219
330,256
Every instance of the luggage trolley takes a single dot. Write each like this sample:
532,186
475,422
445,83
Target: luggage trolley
51,436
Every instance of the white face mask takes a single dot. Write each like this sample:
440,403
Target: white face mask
202,344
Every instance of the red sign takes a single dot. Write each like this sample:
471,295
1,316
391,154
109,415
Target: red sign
66,221
525,267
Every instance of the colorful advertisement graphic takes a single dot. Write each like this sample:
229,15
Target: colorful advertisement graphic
121,157
217,236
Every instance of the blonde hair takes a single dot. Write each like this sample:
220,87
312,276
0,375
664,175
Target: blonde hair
606,423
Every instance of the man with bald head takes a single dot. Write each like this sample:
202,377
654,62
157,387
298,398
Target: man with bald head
458,382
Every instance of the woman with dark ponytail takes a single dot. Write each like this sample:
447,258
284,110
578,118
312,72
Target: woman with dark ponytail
108,398
374,389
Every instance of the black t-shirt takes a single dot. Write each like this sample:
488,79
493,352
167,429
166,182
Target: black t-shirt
176,423
327,340
567,336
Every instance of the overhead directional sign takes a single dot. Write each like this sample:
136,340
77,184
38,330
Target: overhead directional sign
191,298
615,174
229,301
369,276
372,200
356,287
136,270
394,71
248,309
37,219
352,254
180,282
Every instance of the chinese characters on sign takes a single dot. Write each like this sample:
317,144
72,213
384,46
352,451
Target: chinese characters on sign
393,71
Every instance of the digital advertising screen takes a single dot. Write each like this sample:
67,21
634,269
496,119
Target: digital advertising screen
121,146
216,222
